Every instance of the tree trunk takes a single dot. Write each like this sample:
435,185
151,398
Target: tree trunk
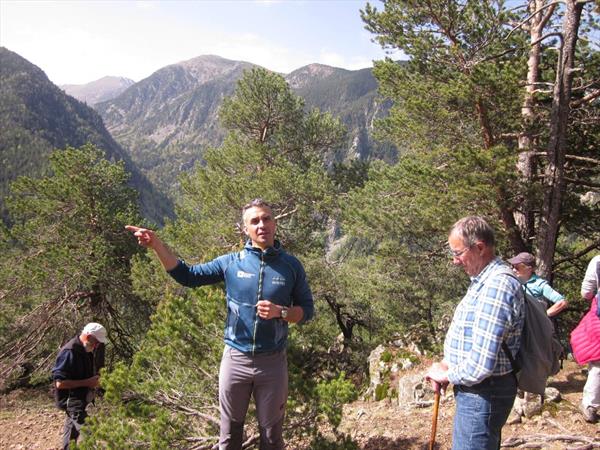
526,164
556,150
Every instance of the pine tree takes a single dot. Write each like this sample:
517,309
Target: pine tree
477,78
67,260
274,150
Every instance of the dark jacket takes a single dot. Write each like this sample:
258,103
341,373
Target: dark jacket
249,276
73,363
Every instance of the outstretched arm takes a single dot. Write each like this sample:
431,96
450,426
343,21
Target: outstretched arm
149,239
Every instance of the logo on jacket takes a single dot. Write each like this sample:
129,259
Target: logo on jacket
242,274
280,281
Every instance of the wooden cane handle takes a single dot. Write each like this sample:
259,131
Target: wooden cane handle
436,407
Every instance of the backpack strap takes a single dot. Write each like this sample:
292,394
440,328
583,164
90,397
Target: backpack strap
505,348
509,355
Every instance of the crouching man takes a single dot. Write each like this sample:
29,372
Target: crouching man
75,376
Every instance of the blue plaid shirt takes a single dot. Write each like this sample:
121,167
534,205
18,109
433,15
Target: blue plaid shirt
490,312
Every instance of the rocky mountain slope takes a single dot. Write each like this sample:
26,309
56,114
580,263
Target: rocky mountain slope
162,125
36,117
168,119
350,95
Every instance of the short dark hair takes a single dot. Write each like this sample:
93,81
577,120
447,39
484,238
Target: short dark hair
472,229
256,203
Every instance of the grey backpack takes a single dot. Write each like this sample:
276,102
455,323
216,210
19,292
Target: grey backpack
540,351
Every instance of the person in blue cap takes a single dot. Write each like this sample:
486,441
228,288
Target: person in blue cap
524,267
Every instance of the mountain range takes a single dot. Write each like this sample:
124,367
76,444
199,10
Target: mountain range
161,125
168,119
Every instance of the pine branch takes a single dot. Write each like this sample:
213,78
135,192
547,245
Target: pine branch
582,183
573,157
588,98
575,256
536,440
552,6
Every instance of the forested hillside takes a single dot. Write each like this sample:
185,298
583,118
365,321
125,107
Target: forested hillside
352,96
36,117
488,118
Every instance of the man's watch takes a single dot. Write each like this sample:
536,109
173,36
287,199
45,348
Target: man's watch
284,312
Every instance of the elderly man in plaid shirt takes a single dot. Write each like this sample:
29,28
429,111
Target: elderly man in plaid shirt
490,313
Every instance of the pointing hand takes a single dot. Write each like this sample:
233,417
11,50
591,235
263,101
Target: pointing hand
145,237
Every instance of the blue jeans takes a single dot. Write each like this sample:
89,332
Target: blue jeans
481,412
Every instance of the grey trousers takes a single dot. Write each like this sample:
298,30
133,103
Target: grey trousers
74,421
263,376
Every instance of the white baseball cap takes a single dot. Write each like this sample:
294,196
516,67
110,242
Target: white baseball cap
96,330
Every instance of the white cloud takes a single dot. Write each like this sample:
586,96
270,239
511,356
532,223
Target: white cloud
334,59
146,4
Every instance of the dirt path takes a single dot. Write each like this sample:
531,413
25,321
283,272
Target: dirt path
28,420
379,425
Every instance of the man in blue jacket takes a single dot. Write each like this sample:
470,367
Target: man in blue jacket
266,289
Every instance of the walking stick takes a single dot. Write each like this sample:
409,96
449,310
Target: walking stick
436,408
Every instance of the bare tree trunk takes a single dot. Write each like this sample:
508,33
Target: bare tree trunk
526,164
556,150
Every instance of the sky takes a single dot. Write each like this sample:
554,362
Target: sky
79,41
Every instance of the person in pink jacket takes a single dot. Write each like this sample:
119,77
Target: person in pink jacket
585,342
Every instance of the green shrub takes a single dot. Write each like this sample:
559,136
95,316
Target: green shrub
381,391
332,395
386,356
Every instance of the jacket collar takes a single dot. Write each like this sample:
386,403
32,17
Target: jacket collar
75,344
269,252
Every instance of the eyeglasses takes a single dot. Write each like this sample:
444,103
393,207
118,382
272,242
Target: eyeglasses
457,253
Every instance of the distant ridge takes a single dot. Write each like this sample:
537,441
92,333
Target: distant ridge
298,77
106,88
168,119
